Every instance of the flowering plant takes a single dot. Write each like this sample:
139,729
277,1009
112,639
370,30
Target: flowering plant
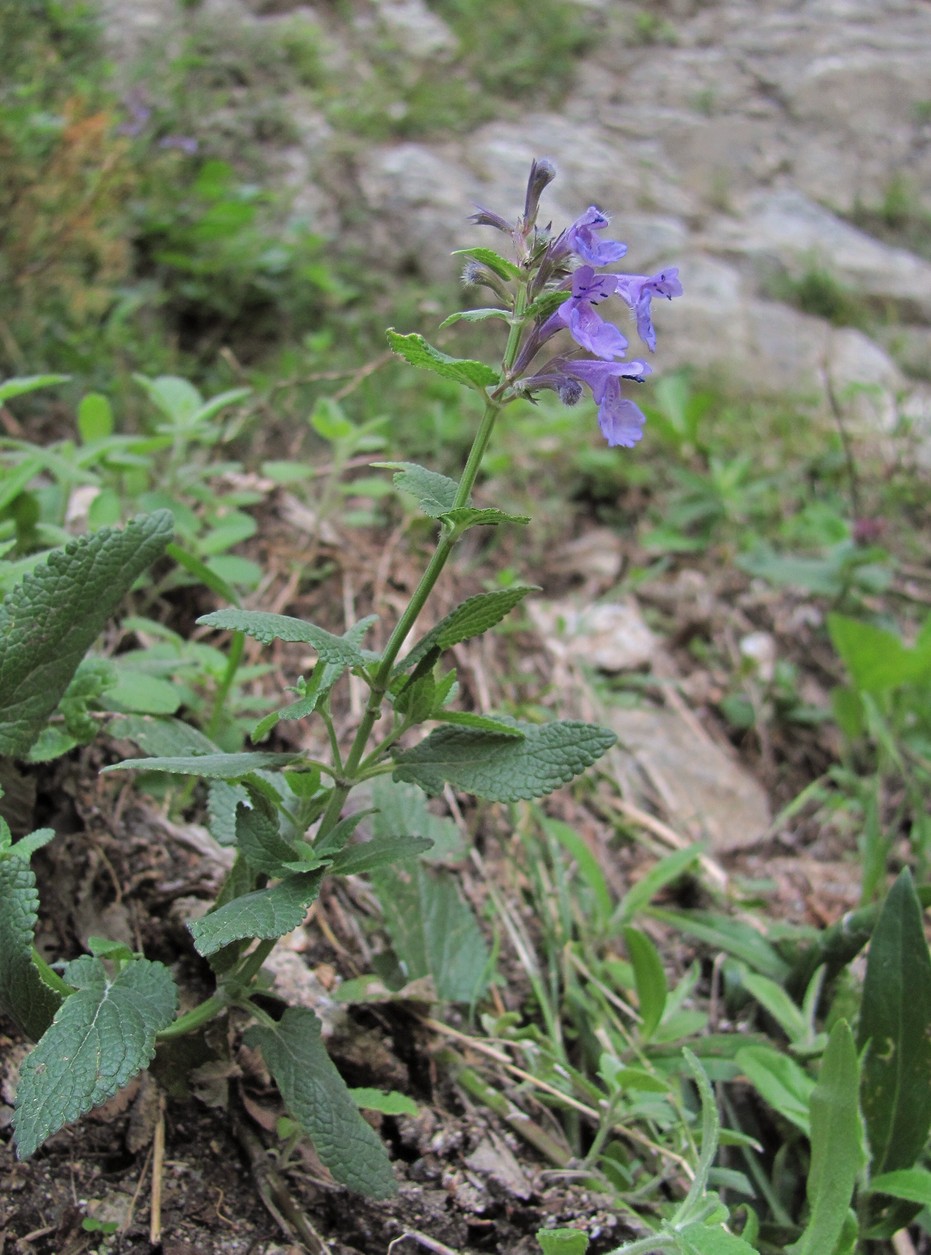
101,1021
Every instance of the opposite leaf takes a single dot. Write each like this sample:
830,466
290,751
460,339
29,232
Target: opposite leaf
504,769
415,349
50,619
319,1099
470,618
24,996
266,913
265,627
101,1037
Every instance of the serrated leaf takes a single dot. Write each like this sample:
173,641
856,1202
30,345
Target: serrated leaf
266,627
836,1144
102,1036
435,493
415,349
482,723
359,860
894,1017
223,800
163,738
466,517
403,808
265,913
503,268
470,618
318,1098
500,768
433,931
258,837
24,996
50,619
209,766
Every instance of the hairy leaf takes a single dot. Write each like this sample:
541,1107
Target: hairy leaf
435,493
780,1081
476,315
266,627
258,835
466,517
503,769
433,931
265,913
24,996
319,1099
359,860
50,619
836,1144
470,618
494,261
209,766
102,1036
415,349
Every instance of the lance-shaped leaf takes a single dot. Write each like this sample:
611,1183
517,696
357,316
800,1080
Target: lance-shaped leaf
209,766
894,1019
368,856
472,617
435,493
50,619
267,627
266,913
415,349
319,1099
102,1036
504,769
477,315
24,996
836,1144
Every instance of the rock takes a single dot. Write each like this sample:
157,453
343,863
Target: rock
705,794
611,636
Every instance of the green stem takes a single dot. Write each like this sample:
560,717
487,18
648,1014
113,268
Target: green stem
192,1020
233,659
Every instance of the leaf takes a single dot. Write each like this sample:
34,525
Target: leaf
649,978
911,1184
265,913
102,1036
894,1018
494,261
266,627
502,769
779,1081
465,517
562,1241
435,493
773,998
165,738
703,1239
415,349
836,1144
22,384
470,618
359,860
24,996
433,931
389,1104
50,619
476,315
209,766
482,723
258,837
731,935
876,658
319,1099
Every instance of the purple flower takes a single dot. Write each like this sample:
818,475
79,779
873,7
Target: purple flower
577,314
638,291
184,143
621,421
580,239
